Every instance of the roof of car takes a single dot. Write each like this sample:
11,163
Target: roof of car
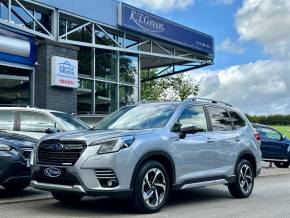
28,109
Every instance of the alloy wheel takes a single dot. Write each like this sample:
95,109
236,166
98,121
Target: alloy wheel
246,178
154,187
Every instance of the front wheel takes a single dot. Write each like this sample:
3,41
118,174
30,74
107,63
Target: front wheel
151,187
244,181
67,197
282,164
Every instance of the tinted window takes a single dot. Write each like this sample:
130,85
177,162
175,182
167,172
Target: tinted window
7,120
191,116
267,133
237,120
35,122
220,119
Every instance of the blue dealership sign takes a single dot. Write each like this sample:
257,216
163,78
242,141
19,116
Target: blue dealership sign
16,46
141,21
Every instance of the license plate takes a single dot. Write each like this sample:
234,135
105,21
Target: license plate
53,172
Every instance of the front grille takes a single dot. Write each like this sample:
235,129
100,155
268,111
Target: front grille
61,153
26,152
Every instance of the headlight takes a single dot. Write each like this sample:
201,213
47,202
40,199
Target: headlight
288,149
5,147
114,145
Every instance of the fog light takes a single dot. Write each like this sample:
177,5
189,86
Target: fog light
109,183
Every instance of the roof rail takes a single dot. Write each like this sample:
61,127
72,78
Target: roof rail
207,100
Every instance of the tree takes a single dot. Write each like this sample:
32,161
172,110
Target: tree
172,88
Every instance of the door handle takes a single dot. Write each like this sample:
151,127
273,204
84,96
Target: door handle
237,139
210,141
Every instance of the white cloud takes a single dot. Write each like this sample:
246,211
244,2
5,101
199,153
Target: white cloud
262,87
230,46
161,5
267,22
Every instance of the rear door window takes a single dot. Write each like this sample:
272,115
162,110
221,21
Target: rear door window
220,119
35,122
7,120
237,120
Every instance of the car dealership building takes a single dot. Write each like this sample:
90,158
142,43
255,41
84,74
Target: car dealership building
89,56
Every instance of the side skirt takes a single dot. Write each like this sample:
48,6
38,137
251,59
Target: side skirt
197,183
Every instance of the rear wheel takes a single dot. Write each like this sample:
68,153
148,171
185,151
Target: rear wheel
151,187
282,164
244,181
67,197
16,186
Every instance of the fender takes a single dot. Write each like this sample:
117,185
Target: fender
152,154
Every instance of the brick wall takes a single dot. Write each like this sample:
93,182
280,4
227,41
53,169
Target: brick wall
46,96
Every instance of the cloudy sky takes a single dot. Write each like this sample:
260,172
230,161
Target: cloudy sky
252,65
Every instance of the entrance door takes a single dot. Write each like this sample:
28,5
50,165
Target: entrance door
15,86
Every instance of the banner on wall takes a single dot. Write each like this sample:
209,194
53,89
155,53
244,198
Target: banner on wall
64,72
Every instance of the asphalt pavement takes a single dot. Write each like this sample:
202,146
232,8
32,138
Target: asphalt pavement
271,198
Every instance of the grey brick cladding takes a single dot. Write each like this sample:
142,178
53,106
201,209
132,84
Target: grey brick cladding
46,96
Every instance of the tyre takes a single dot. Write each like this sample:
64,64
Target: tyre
16,186
151,187
244,181
282,164
67,197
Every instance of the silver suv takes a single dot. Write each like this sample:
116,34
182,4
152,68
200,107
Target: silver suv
146,150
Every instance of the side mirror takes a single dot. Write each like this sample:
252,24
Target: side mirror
282,138
188,130
51,130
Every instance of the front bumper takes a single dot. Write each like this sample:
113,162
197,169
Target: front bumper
83,177
13,168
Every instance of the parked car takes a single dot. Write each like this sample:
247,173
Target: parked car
275,146
15,173
146,150
36,122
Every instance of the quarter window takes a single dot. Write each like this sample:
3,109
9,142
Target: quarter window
237,120
35,122
7,120
191,116
220,119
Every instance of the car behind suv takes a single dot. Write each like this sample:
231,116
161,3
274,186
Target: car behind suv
146,150
35,122
15,150
275,146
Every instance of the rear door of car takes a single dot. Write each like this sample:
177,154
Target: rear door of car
272,146
223,135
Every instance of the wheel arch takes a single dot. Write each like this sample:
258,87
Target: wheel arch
248,155
161,156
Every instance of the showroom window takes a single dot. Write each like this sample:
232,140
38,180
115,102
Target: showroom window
129,69
85,97
85,61
106,64
128,95
106,98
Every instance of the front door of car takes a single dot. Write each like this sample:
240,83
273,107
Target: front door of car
271,144
194,154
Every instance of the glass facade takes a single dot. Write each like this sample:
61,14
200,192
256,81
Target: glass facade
108,80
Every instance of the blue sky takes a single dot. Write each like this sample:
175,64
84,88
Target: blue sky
252,65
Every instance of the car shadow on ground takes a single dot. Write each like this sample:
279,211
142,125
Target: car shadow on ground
123,207
27,194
